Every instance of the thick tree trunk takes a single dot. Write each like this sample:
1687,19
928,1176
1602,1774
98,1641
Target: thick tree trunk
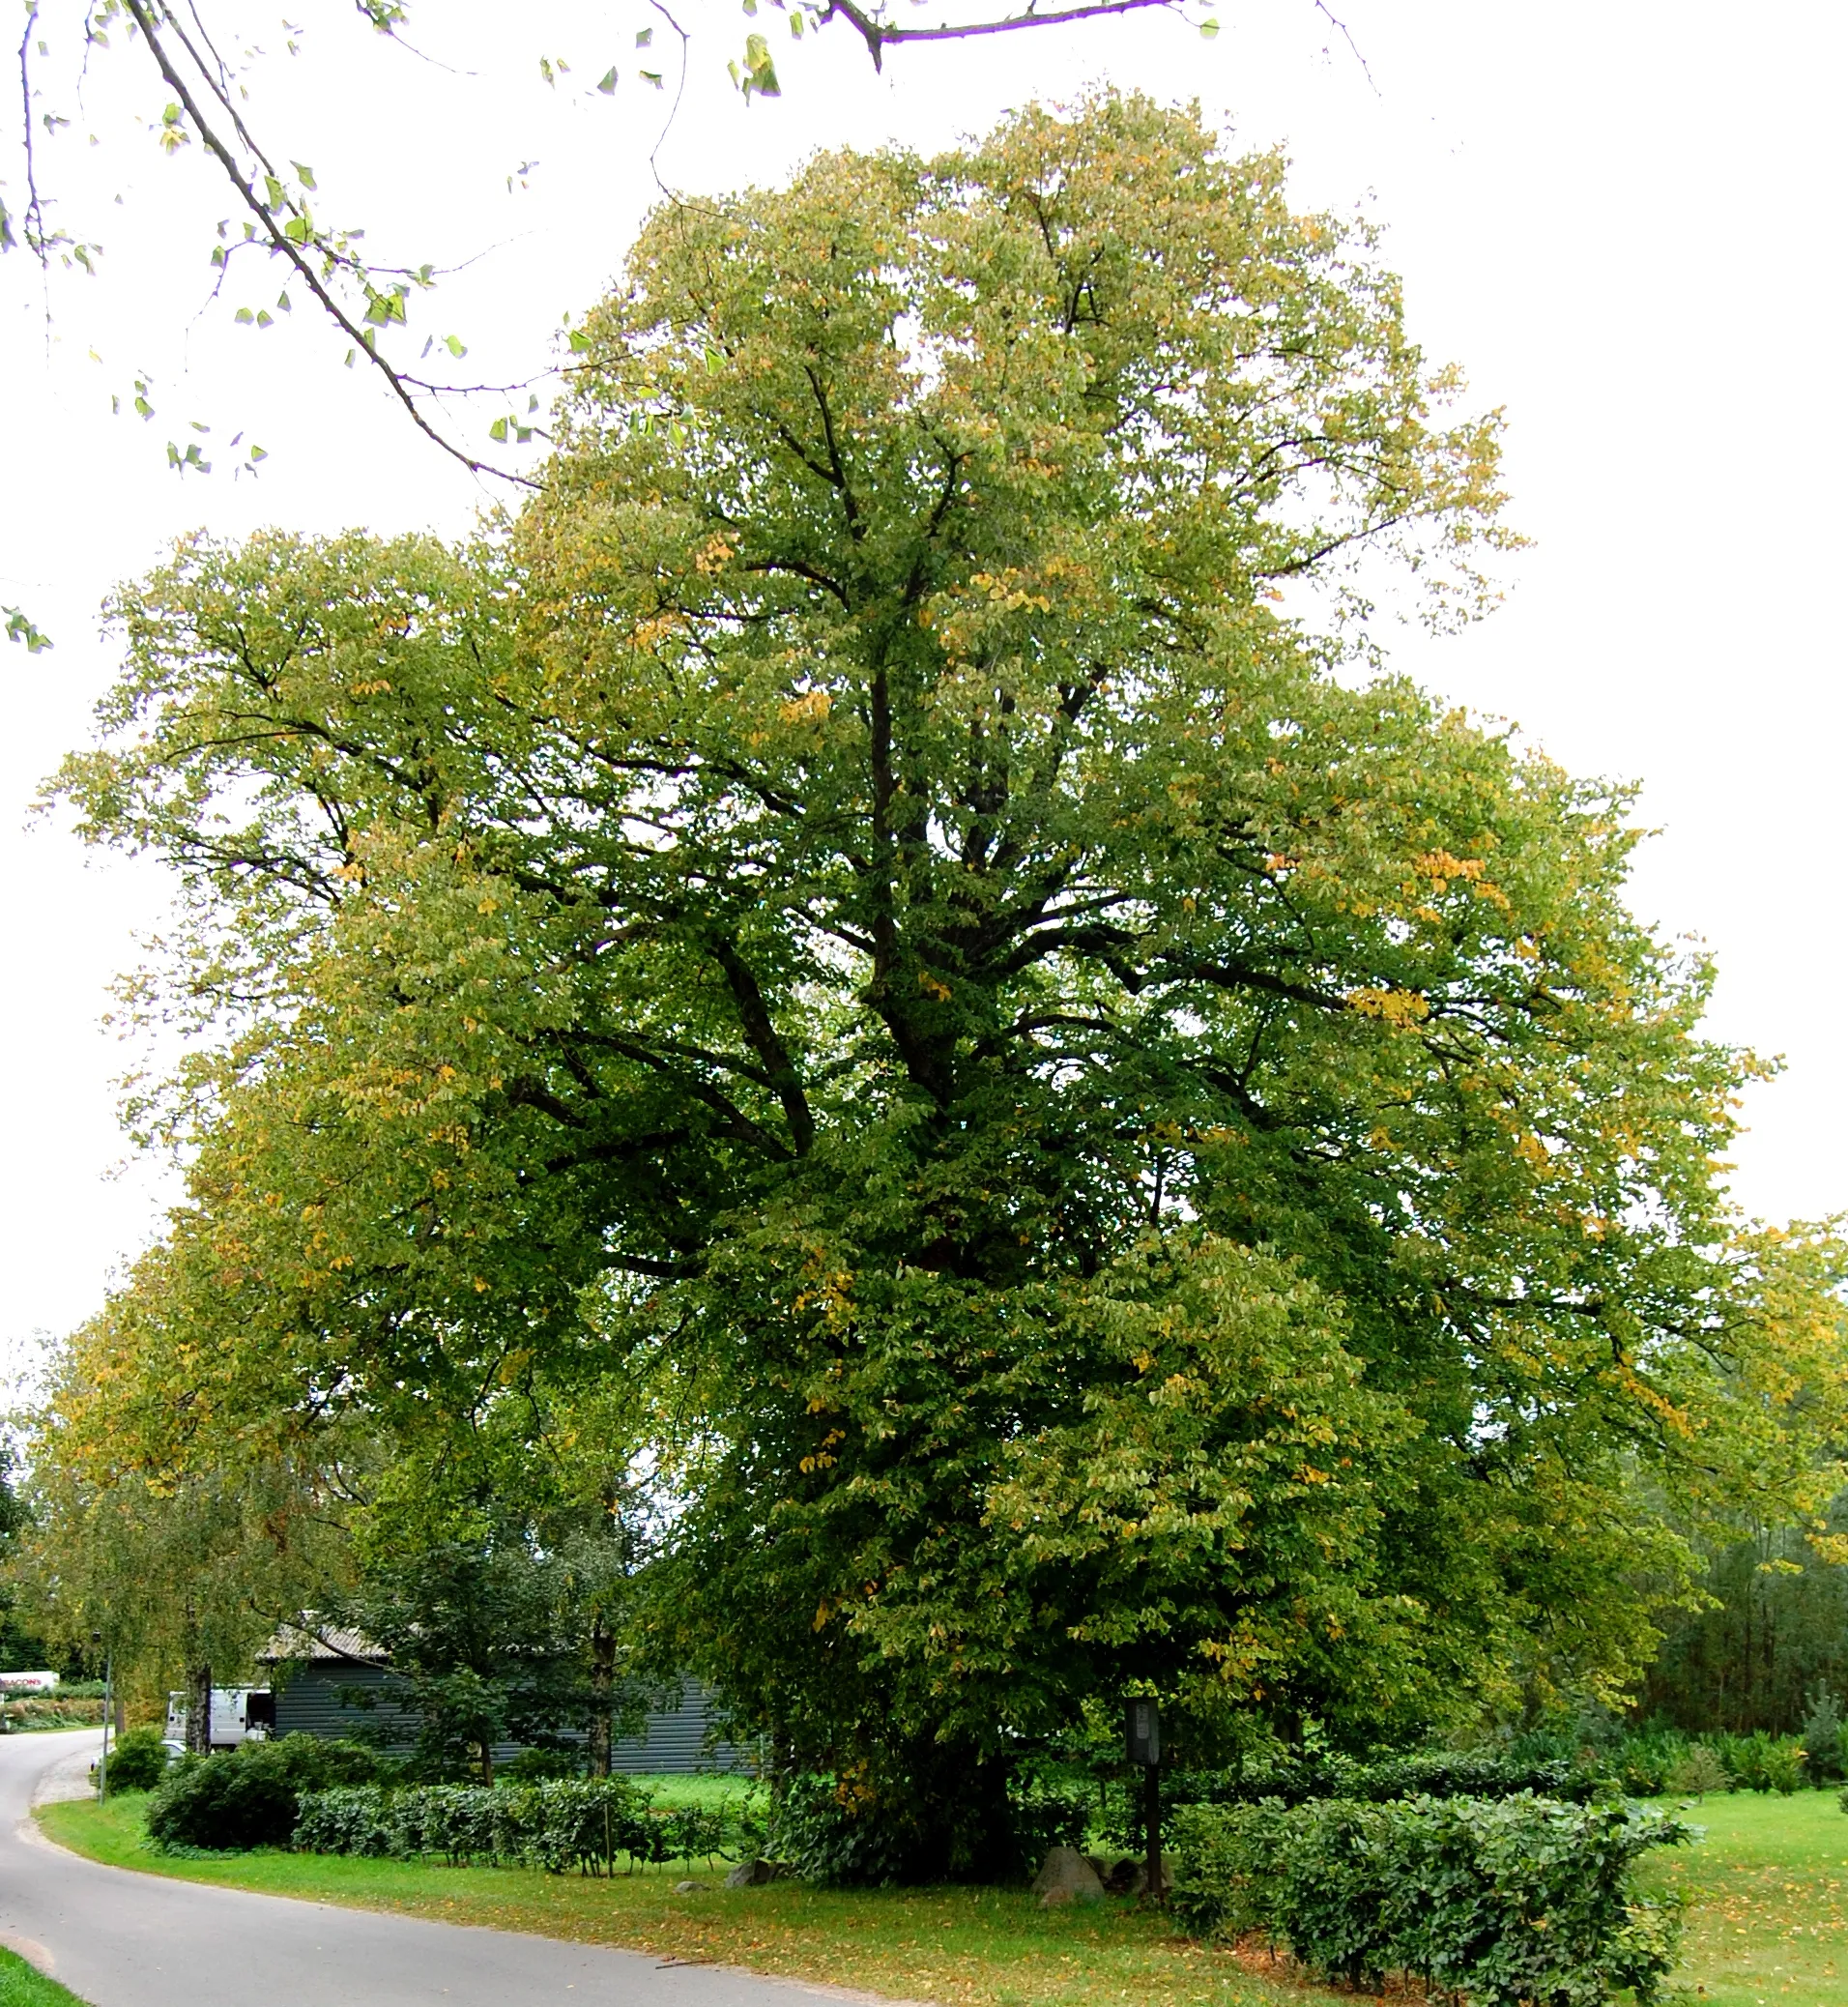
199,1709
602,1696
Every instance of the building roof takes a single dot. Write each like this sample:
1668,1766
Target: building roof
321,1644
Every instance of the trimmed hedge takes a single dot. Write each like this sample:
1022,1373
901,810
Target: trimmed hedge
1520,1902
1427,1774
1640,1764
582,1822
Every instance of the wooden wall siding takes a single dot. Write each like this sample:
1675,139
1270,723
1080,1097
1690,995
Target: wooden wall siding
674,1741
312,1703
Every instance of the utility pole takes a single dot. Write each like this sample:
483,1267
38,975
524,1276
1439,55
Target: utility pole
109,1715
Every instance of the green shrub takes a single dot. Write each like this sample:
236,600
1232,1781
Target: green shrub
1643,1761
58,1709
1048,1813
1699,1772
225,1803
1785,1764
346,1818
1514,1902
844,1836
1823,1736
829,1834
251,1797
1761,1762
555,1823
137,1760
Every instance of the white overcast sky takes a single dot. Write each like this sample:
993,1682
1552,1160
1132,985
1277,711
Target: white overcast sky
1626,221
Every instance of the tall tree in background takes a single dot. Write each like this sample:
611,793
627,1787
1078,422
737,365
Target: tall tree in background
885,918
1775,1632
21,1647
166,1528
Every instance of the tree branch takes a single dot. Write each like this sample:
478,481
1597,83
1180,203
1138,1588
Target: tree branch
880,36
285,246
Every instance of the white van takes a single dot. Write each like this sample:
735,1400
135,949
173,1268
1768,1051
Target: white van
239,1714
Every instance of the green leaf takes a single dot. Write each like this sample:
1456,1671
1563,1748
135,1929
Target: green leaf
652,76
1209,28
304,173
498,431
455,345
761,68
21,628
607,84
244,316
643,37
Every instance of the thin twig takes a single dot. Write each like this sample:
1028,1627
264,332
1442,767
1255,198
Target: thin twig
674,110
142,14
1347,34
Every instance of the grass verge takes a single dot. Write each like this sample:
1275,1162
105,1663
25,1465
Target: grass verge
964,1947
1770,1887
24,1986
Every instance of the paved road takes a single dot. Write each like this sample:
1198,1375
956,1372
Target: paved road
121,1939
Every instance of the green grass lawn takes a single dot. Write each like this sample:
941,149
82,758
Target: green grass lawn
1770,1883
1768,1924
25,1986
714,1789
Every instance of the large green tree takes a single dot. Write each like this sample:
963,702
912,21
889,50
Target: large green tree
890,914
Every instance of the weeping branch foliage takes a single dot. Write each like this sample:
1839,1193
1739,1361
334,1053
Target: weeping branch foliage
887,915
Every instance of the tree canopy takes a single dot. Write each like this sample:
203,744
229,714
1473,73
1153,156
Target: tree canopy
892,923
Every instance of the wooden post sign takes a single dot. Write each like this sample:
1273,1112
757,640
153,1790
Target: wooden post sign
1142,1744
